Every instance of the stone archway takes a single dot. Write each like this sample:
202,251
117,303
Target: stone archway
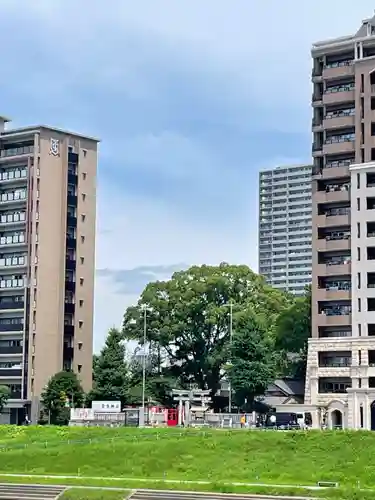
336,419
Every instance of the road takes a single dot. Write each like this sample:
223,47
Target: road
187,495
29,492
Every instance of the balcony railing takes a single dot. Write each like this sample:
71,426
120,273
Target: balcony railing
11,349
340,138
332,363
339,163
10,175
13,196
10,372
12,304
13,261
15,395
12,239
344,311
339,88
69,329
12,283
25,150
13,217
11,327
338,114
339,64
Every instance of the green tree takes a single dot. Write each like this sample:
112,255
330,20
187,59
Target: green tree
4,396
253,361
189,318
292,331
110,371
63,391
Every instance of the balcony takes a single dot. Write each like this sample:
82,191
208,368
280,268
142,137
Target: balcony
332,244
16,152
12,305
68,329
11,240
11,372
333,220
9,283
13,262
336,170
72,200
331,196
339,144
324,320
11,327
334,269
339,119
69,308
11,350
338,70
338,94
323,294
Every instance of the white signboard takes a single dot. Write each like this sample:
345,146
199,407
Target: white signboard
81,414
106,406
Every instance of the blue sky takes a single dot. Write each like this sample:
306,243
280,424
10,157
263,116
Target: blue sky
190,98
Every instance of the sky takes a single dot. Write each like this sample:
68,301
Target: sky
191,98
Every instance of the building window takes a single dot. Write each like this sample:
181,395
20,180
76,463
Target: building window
84,175
82,239
79,368
80,324
83,197
358,181
81,303
83,217
80,346
81,281
82,260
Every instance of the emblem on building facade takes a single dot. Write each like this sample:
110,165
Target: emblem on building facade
54,148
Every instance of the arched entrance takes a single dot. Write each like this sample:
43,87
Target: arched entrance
336,419
372,407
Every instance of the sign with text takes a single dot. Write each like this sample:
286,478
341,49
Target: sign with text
106,406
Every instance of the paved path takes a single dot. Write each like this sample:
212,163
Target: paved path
191,495
29,492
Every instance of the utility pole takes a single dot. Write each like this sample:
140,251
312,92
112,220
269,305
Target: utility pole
143,409
230,351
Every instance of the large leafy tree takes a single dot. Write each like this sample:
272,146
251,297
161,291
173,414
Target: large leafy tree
62,392
292,331
4,396
253,361
188,316
110,371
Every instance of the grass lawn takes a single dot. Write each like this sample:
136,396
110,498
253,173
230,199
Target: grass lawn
295,458
87,494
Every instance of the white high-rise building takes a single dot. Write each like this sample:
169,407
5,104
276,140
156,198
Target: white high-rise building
285,227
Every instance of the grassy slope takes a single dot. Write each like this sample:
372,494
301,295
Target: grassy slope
243,456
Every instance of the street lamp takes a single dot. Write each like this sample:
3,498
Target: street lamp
144,309
230,305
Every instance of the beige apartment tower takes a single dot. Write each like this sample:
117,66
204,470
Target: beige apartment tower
47,260
341,357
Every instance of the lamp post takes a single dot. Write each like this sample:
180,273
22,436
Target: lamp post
144,308
230,305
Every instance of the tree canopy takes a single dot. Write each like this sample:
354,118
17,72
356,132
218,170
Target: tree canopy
62,392
292,331
252,362
110,371
188,316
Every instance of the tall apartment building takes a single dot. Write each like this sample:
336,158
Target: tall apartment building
341,357
47,252
285,227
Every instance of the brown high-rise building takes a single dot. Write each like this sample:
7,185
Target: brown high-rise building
341,358
47,260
